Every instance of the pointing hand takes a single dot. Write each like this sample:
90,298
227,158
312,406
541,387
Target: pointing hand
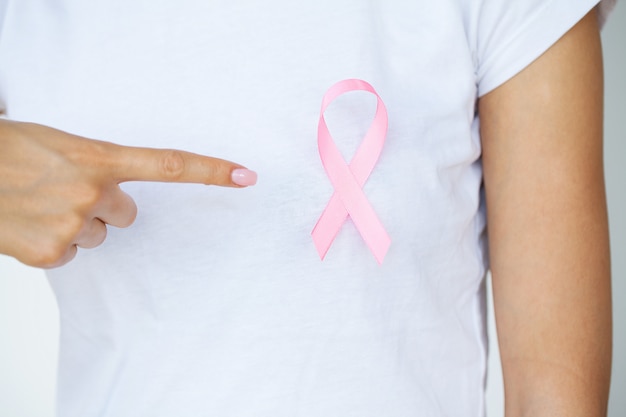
59,191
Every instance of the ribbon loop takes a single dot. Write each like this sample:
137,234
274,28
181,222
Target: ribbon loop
348,198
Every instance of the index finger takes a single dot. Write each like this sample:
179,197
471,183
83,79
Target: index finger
169,165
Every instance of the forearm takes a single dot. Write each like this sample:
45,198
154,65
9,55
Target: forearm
553,309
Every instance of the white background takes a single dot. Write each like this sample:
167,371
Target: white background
29,328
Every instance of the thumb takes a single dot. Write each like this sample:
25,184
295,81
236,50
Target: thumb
168,165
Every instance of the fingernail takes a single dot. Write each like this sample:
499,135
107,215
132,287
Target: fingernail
242,176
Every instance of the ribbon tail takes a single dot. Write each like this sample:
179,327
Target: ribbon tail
379,246
328,225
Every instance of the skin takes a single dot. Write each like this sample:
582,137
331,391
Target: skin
548,232
59,191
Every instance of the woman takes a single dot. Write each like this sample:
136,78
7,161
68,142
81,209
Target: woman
215,301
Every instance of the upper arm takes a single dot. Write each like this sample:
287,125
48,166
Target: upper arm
542,157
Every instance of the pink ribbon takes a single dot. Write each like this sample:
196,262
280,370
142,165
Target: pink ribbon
348,198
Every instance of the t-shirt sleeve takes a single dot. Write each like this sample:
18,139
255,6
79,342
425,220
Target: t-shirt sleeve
510,34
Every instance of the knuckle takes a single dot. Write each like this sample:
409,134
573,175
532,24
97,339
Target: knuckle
131,215
103,235
49,255
123,210
95,238
56,246
172,165
72,227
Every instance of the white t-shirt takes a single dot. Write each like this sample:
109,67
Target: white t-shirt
215,302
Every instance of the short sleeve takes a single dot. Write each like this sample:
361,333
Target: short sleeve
511,34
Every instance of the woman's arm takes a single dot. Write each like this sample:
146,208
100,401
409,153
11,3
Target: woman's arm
548,232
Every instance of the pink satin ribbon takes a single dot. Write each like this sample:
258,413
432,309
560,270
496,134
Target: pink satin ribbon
348,180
